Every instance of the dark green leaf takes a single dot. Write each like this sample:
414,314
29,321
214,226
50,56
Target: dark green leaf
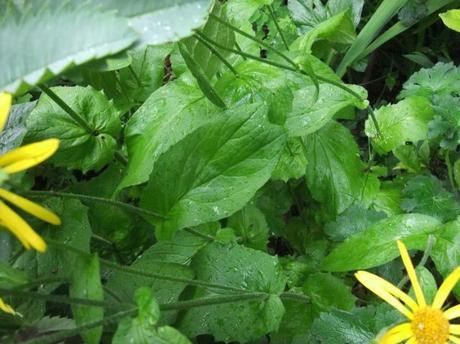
214,171
238,267
78,148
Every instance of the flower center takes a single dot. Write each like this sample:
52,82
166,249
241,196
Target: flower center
430,326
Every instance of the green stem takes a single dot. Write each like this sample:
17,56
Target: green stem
199,234
121,158
272,14
217,54
62,104
288,295
213,300
251,37
40,281
111,202
60,336
132,271
429,247
57,298
450,172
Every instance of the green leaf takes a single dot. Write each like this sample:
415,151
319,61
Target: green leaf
377,245
78,148
241,11
406,121
337,29
168,115
293,161
354,220
335,174
216,31
202,80
15,129
161,21
425,195
327,291
295,326
250,224
10,277
85,283
445,126
445,252
65,38
243,268
214,171
311,111
451,19
441,79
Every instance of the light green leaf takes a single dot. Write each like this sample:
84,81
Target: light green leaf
311,111
161,21
64,38
406,121
240,11
168,115
377,245
214,171
85,283
238,267
451,19
335,173
78,149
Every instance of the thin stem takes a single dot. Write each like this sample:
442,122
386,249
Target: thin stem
218,55
121,158
199,234
295,296
59,336
272,14
136,78
429,247
239,48
374,120
63,105
213,300
262,43
450,172
57,298
95,199
40,281
129,270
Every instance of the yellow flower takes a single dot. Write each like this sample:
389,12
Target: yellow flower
6,308
18,160
428,324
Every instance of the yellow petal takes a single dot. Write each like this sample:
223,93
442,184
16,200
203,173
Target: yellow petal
5,105
30,207
445,288
454,339
21,229
397,334
454,329
27,156
411,273
6,308
412,340
452,313
388,292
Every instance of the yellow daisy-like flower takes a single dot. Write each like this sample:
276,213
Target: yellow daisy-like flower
428,324
18,160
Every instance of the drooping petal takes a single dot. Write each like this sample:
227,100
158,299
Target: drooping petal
388,292
411,273
21,229
454,329
5,105
6,307
397,334
452,313
27,156
30,207
454,339
445,288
